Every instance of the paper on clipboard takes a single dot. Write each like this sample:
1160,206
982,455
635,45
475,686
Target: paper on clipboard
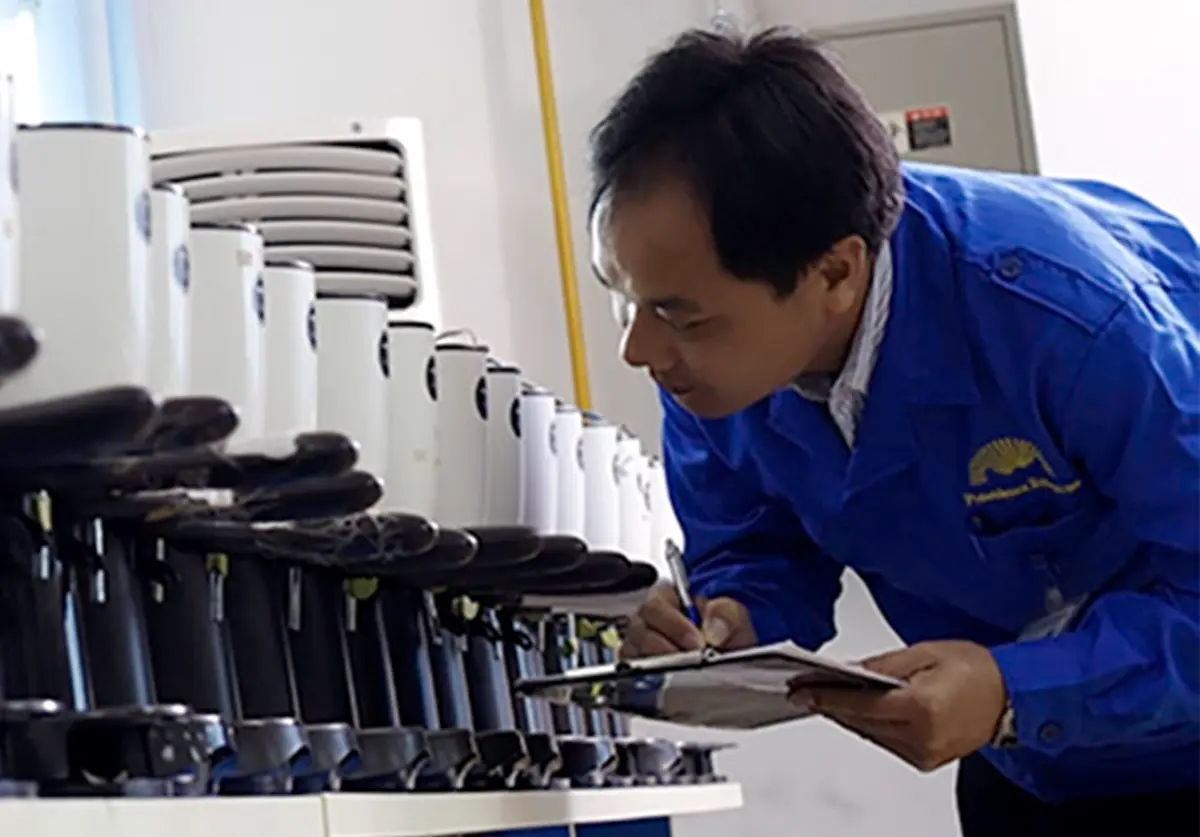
744,689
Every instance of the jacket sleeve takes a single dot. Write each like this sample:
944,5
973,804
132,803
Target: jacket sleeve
742,545
1129,670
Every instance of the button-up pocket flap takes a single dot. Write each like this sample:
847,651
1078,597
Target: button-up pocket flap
1033,543
1078,553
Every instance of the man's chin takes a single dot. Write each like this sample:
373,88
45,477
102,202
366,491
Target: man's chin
706,404
702,404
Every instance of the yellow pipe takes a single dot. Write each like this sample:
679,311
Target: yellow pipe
558,197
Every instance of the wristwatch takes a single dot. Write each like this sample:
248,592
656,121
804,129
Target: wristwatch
1005,737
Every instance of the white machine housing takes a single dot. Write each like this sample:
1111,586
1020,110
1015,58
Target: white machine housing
403,135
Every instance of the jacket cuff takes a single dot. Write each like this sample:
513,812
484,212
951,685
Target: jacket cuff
1043,681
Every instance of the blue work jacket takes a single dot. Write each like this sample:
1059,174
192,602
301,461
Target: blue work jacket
1031,436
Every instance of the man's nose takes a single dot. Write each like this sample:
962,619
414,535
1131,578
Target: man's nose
643,345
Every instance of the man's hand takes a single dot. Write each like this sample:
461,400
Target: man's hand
950,707
660,626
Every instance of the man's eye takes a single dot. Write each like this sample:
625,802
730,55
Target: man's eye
692,325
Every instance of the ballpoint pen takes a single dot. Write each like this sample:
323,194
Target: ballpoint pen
679,579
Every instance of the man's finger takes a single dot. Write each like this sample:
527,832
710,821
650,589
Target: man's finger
903,663
665,618
641,641
665,593
727,624
895,705
902,740
908,739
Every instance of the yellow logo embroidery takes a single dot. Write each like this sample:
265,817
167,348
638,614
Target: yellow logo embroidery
1002,459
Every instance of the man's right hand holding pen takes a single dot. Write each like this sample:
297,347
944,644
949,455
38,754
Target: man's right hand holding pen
660,626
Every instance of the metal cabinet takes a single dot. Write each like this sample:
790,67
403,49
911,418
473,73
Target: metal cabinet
951,86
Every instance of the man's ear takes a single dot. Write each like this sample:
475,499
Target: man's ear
845,270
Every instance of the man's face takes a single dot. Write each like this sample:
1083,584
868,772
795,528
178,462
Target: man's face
715,342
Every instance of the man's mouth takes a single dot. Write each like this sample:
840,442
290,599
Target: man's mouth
677,390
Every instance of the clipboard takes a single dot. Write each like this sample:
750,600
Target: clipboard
745,689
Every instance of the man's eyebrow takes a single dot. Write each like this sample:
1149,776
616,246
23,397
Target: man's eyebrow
667,304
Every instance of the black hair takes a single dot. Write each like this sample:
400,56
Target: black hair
778,145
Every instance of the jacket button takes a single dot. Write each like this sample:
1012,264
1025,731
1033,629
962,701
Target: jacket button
1010,267
1048,733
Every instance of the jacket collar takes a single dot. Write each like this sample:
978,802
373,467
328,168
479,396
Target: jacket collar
924,361
926,349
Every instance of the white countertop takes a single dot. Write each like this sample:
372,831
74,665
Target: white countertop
357,815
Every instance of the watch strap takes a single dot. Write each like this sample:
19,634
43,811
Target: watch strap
1005,737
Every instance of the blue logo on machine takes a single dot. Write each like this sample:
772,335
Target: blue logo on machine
481,400
311,325
431,383
385,360
514,416
181,267
260,299
141,214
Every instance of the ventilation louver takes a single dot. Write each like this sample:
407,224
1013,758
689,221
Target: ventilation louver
343,206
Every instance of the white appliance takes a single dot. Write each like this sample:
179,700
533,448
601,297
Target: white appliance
225,356
664,526
462,411
353,363
503,445
351,198
84,249
539,466
602,511
9,207
170,317
567,443
411,484
633,498
290,349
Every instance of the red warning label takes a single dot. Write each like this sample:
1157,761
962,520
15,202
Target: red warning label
928,127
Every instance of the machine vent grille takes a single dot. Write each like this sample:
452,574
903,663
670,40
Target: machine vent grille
341,206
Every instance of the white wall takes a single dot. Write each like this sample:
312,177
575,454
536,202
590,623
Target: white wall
215,62
465,67
1113,95
595,48
830,13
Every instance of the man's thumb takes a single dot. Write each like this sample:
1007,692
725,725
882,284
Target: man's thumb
726,624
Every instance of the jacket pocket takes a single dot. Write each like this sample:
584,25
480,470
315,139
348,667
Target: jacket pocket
1076,555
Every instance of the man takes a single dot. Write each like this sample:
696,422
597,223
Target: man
978,390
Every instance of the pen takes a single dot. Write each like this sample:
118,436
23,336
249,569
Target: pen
679,579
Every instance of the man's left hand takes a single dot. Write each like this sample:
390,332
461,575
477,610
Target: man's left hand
949,707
